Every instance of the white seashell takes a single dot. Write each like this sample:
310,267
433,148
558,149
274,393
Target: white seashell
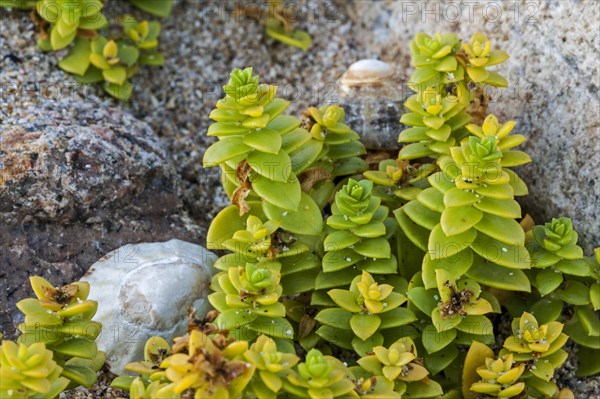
367,72
372,96
144,290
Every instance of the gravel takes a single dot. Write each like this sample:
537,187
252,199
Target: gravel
202,42
100,390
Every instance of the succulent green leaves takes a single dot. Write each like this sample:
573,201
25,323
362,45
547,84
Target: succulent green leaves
531,339
92,58
525,365
255,240
279,26
272,366
456,72
444,80
476,212
19,4
366,309
541,347
399,363
190,365
247,296
317,377
60,318
436,124
68,16
113,59
358,237
468,212
554,248
248,290
441,60
29,371
339,142
340,284
563,274
459,303
78,60
505,141
115,62
306,220
144,35
155,350
160,8
251,133
505,375
561,271
479,55
397,181
251,274
434,59
330,150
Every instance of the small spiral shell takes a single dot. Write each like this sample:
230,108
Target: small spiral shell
372,96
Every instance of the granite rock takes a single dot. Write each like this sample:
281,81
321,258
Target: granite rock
77,181
146,290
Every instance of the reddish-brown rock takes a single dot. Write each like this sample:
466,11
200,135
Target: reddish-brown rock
76,182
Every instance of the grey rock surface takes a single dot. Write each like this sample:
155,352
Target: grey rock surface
76,182
146,290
